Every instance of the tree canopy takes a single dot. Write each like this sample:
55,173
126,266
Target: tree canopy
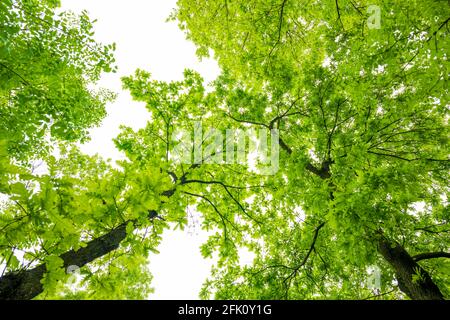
358,92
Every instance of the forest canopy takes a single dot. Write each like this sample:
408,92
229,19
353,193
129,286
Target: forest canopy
354,93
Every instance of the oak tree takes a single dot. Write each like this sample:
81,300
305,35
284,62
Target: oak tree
362,115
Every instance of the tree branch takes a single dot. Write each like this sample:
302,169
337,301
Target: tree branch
228,192
248,121
24,81
440,27
339,13
26,284
431,255
412,279
311,248
280,24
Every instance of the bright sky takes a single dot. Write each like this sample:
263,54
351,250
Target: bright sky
144,40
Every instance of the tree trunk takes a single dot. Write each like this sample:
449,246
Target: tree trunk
25,285
412,279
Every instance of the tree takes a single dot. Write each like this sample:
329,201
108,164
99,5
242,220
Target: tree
363,119
362,181
67,218
47,62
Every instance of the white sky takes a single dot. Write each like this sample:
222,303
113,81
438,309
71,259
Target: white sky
144,40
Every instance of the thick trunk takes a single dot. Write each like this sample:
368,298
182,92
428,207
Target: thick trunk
412,279
27,284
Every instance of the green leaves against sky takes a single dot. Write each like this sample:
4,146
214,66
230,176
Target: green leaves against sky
363,119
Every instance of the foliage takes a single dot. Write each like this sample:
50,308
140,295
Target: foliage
363,121
367,106
47,62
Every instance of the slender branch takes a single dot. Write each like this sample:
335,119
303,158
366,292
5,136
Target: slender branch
25,81
330,135
311,248
431,255
406,159
221,183
429,228
313,243
356,8
248,121
280,24
339,14
380,295
287,114
173,175
228,192
222,217
440,27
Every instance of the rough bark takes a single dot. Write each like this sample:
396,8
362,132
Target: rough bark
412,279
26,285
